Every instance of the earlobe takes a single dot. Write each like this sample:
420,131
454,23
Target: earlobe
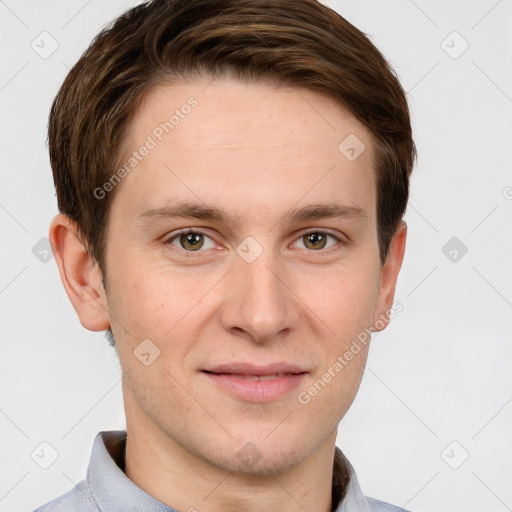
388,277
80,274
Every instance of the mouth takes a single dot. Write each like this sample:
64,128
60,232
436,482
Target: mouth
253,377
253,383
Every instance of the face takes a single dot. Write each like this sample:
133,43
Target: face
242,253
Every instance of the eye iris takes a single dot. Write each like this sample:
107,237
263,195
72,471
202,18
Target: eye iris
315,240
191,241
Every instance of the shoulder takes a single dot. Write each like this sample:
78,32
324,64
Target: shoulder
380,506
78,499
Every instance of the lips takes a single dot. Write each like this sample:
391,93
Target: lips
257,377
256,370
256,383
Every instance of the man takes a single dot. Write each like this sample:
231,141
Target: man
232,177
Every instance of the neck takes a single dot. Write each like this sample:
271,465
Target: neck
183,480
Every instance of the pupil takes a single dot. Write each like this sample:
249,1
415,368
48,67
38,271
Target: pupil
316,238
192,240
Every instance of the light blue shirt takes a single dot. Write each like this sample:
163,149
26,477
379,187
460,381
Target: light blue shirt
108,489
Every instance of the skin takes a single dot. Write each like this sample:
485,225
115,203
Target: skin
256,152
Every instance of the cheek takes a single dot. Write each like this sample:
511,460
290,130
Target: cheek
344,299
345,383
145,306
139,289
139,305
331,391
159,304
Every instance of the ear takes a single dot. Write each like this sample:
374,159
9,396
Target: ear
80,274
388,277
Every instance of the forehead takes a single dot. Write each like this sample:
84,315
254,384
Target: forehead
246,145
229,109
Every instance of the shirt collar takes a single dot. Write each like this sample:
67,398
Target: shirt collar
113,490
110,487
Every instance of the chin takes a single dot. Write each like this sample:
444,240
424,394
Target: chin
260,463
252,454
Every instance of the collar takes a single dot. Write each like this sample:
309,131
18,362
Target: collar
112,490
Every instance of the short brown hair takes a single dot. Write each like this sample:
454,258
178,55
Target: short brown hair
298,43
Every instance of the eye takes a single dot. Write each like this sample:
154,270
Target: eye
191,241
317,240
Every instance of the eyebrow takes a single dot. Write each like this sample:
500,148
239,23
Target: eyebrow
203,211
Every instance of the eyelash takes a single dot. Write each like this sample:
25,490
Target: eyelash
193,254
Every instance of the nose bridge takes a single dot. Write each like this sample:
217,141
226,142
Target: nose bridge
259,303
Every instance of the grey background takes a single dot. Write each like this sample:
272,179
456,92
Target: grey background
438,381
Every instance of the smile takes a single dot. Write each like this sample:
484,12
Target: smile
255,387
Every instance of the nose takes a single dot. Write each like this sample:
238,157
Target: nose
258,302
